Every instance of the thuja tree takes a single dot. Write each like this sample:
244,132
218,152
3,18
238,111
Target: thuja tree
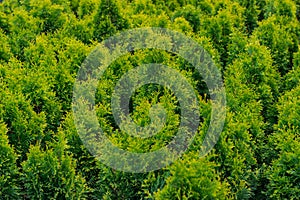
52,16
237,45
5,50
57,64
25,126
51,173
251,13
86,8
236,148
283,173
31,109
108,20
104,182
255,66
191,14
218,27
280,8
23,29
292,78
115,184
4,22
86,163
241,144
280,35
9,182
193,178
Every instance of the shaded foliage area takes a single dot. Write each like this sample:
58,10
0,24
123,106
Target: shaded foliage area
254,43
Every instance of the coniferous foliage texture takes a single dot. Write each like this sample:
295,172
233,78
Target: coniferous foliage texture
254,43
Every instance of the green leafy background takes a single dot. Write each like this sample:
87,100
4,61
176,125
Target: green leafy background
254,43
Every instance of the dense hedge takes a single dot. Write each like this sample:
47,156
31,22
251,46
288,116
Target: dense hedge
255,43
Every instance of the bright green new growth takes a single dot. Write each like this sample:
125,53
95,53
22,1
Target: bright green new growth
254,43
8,169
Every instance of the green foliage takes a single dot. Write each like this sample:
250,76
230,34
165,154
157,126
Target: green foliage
5,51
280,8
254,43
4,24
220,26
278,34
292,78
9,187
51,174
24,28
191,15
287,107
254,68
283,174
86,8
108,20
251,13
25,126
193,178
52,15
